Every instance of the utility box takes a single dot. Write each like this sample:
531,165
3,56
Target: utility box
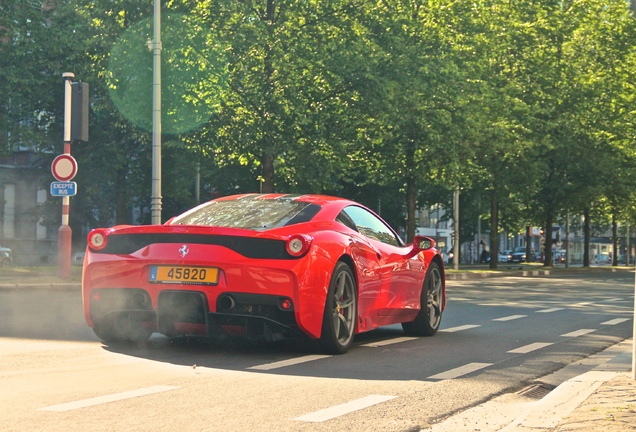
79,111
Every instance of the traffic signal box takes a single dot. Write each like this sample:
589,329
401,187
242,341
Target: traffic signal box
79,111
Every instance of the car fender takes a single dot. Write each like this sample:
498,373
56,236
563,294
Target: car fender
313,283
329,248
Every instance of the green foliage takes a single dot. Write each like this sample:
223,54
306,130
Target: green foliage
527,106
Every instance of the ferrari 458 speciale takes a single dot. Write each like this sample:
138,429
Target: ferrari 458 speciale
262,266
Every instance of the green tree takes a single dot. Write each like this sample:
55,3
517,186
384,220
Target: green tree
29,89
290,87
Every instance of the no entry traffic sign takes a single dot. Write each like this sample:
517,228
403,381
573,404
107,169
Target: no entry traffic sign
64,167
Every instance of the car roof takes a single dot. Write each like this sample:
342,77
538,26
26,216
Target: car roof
308,198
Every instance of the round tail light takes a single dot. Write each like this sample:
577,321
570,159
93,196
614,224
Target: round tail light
298,244
97,239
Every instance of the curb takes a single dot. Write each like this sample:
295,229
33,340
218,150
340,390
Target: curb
548,412
75,286
517,412
485,275
533,273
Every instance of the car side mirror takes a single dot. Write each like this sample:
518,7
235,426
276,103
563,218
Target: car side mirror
422,243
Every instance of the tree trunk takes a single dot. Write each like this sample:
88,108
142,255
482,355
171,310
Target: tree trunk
267,173
122,216
614,240
269,108
411,198
494,228
586,234
547,253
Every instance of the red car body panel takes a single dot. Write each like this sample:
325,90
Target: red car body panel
389,278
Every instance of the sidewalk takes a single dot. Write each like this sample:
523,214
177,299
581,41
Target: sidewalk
612,408
601,398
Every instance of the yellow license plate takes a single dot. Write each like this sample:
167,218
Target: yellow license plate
184,275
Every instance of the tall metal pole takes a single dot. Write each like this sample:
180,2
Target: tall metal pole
628,247
633,6
64,233
155,199
478,227
456,231
567,240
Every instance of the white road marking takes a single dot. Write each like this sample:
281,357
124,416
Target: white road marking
582,304
510,318
290,362
84,403
508,304
388,342
578,333
345,408
615,321
460,328
529,348
549,310
460,371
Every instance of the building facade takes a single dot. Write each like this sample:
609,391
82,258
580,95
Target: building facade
22,197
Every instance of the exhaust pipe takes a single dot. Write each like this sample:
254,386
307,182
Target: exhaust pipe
139,300
226,303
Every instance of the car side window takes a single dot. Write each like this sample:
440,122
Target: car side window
344,219
372,227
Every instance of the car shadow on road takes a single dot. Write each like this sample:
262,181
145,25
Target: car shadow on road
370,358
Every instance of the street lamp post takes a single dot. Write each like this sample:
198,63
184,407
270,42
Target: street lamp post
155,199
633,6
456,230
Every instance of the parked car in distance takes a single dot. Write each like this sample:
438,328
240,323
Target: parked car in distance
505,256
519,255
603,259
6,257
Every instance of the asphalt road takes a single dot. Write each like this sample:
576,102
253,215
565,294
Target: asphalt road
498,335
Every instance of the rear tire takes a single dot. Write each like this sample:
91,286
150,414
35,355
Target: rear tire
430,316
341,311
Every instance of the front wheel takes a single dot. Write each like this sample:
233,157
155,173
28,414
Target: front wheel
430,316
341,310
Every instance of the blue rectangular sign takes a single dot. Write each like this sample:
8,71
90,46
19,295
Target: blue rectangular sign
63,189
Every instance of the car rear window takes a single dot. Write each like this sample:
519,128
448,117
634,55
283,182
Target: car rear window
249,213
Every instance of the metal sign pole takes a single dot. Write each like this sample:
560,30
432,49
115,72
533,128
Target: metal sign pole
65,234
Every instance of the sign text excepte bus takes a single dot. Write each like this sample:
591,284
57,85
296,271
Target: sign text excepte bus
63,189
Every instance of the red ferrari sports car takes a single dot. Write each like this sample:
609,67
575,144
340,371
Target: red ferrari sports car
266,266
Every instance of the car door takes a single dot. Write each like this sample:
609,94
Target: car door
400,283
